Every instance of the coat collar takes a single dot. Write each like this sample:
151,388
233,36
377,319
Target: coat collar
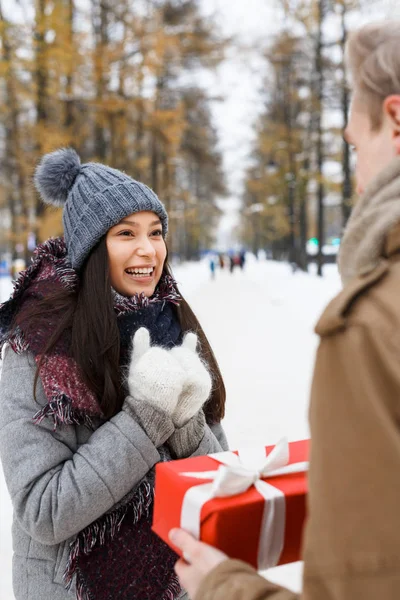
392,245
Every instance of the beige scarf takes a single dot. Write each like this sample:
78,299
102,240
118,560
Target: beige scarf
375,214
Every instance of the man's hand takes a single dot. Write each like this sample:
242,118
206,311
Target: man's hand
198,560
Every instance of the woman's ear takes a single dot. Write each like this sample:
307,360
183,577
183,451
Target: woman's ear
391,107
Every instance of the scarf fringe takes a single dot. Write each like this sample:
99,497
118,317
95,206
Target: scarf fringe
60,410
104,529
173,590
54,251
17,342
82,593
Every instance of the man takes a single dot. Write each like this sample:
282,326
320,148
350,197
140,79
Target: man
352,538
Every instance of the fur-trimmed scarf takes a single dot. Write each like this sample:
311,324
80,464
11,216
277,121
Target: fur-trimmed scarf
376,212
116,557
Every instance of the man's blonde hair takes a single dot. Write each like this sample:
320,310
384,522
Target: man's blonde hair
373,55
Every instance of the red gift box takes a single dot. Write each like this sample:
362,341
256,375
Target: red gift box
261,526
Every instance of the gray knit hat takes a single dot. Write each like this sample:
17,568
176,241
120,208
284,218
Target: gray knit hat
95,198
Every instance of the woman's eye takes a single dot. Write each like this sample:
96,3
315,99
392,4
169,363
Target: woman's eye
157,233
125,233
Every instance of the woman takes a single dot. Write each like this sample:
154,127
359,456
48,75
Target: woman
83,419
352,539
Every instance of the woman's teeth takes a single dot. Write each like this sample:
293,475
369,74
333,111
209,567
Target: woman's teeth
143,272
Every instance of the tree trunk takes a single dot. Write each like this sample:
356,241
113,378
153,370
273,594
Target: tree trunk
68,108
14,176
291,175
41,75
140,151
100,16
347,185
155,150
320,143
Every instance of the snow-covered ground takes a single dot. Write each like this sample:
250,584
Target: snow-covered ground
260,325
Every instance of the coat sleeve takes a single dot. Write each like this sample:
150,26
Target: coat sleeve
352,537
236,580
56,489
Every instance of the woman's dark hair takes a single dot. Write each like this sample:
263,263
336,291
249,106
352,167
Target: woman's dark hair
87,318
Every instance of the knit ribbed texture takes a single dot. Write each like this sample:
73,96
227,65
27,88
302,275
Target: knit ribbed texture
186,439
157,424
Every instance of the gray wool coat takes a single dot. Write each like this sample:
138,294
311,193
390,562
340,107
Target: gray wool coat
60,481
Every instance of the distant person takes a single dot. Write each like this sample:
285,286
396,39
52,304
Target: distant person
221,260
242,259
352,536
101,380
236,260
231,263
212,267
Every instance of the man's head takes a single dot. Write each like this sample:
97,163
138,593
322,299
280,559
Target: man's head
374,124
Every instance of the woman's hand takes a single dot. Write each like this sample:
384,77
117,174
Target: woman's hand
155,376
198,560
197,384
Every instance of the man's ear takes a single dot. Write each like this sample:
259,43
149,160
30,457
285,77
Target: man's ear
391,108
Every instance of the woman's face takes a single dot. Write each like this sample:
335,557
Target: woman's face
375,149
136,254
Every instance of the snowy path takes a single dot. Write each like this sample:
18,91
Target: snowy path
260,324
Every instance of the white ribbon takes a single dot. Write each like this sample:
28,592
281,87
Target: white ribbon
236,475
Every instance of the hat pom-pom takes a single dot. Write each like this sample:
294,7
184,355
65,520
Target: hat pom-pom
55,175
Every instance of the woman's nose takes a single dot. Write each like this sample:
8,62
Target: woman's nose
145,247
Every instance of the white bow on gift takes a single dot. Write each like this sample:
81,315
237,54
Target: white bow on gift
236,475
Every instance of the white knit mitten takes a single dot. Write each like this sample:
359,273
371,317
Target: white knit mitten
197,385
155,376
